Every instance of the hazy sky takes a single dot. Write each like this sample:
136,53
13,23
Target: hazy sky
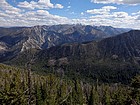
117,13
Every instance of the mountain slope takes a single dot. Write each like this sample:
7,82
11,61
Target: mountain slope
19,39
124,46
114,59
111,31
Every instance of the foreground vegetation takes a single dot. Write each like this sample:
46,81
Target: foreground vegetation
18,87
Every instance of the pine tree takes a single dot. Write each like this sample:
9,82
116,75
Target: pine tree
12,94
94,97
77,93
136,90
38,93
106,96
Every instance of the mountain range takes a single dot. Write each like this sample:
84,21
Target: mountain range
18,39
90,52
113,59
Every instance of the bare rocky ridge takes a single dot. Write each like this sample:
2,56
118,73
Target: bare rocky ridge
113,59
124,47
19,39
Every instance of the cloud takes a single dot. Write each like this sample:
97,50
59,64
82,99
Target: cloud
12,12
117,1
73,13
137,13
3,15
82,13
120,15
103,10
105,16
27,5
59,6
108,8
138,18
37,15
12,16
41,4
5,6
69,7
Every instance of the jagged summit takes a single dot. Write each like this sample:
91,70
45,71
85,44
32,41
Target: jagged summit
18,39
125,46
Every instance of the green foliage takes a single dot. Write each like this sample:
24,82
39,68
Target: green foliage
107,96
120,96
77,93
136,82
52,90
136,89
94,97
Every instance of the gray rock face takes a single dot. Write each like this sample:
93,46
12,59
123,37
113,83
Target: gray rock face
111,31
18,39
124,47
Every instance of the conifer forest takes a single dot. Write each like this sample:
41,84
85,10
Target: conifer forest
23,87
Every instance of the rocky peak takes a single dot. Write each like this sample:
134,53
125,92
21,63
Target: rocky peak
19,39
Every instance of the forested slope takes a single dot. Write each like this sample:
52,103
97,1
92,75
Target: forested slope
52,90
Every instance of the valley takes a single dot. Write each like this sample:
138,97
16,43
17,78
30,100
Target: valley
92,66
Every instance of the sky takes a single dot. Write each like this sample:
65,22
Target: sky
116,13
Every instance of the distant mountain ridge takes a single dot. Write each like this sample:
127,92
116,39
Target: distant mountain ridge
120,49
125,46
18,39
113,59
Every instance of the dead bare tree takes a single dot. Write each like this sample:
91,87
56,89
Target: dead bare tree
29,66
